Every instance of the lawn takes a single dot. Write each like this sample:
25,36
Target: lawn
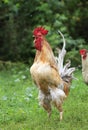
19,109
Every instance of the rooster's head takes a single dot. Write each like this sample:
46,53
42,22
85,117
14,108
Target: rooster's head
39,34
83,53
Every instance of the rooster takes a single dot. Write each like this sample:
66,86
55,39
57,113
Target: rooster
48,73
84,56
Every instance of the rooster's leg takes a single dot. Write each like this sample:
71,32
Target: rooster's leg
45,101
61,111
59,107
47,107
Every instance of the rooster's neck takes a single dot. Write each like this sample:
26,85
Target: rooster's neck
85,61
46,54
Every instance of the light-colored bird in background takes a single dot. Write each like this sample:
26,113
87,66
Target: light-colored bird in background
84,57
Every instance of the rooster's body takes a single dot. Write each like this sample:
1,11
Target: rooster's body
84,56
53,85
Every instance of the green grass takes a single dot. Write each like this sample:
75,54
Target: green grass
19,109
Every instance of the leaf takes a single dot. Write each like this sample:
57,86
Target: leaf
6,1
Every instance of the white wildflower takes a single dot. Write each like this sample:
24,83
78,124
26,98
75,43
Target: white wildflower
17,80
4,98
23,77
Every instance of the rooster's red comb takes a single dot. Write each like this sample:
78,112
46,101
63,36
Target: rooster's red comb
41,30
82,51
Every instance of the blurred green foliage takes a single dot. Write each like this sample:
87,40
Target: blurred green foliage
18,18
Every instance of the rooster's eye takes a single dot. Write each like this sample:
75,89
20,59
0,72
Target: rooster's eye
35,37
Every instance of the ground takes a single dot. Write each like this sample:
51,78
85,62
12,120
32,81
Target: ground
19,109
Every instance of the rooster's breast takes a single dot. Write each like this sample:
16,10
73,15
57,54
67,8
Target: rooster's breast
40,71
44,73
